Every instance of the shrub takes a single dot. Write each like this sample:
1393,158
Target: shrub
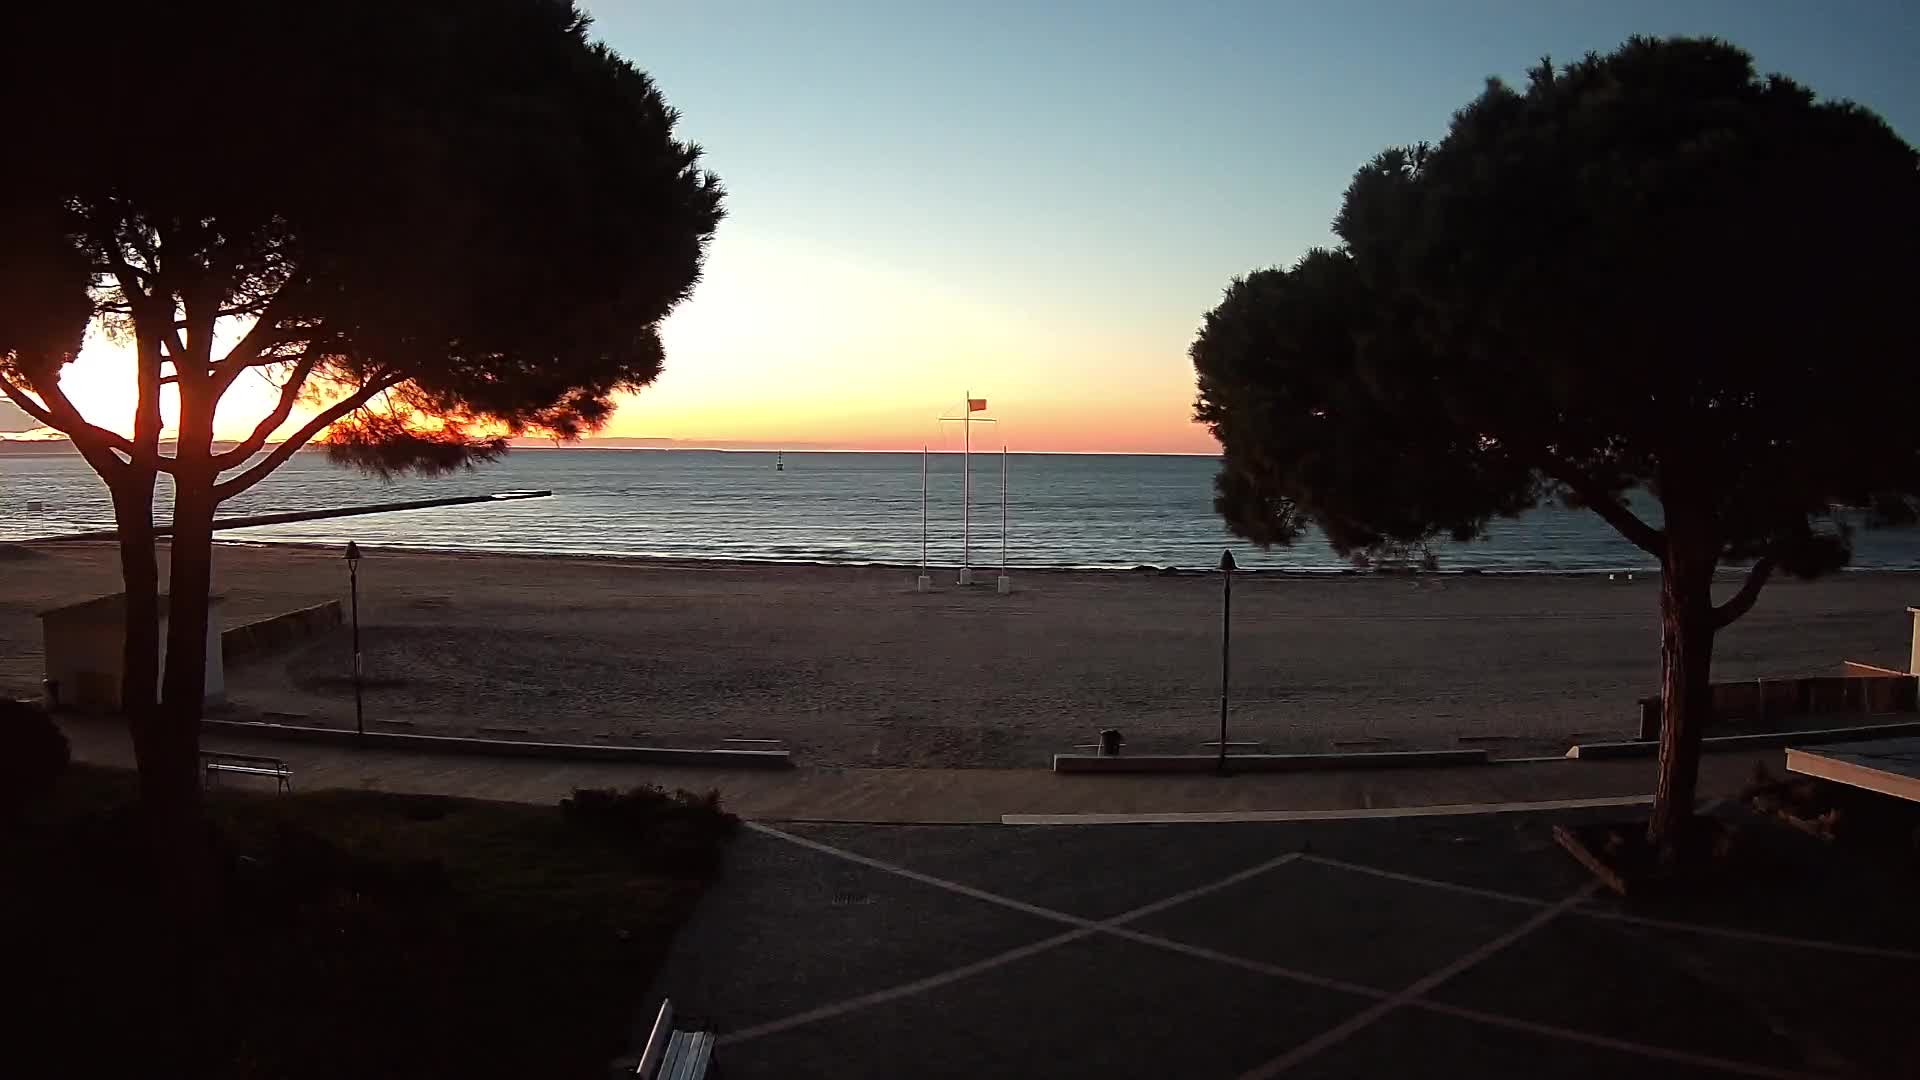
33,754
675,830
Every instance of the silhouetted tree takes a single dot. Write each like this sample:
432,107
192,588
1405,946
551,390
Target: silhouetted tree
1649,270
433,224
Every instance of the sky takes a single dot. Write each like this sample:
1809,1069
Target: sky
1038,202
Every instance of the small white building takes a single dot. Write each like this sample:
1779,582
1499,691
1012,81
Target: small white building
84,644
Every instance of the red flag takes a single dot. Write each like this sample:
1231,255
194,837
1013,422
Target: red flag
976,404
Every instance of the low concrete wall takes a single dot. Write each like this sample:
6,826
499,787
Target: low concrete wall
240,643
1203,763
1651,747
443,744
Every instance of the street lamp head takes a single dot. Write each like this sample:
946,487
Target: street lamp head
1226,563
353,553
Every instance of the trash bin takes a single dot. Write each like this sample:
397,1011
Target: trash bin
1110,741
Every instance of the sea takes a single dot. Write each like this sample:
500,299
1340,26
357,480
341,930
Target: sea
1059,510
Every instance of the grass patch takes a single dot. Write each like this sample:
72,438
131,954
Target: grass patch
358,934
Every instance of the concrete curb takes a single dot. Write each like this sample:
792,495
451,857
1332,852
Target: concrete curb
446,744
1202,763
1651,747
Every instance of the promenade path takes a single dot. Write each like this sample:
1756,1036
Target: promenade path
948,795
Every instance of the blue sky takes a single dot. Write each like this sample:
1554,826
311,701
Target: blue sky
1037,202
1095,173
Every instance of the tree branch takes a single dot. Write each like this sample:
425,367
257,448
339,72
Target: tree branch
227,489
1742,602
289,395
1600,501
60,415
131,284
263,334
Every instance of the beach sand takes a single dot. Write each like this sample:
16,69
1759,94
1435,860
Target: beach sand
849,666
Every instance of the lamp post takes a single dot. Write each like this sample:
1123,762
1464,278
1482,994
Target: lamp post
353,580
1226,642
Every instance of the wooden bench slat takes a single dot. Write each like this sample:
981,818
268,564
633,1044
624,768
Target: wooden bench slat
670,1064
216,755
688,1056
246,765
701,1057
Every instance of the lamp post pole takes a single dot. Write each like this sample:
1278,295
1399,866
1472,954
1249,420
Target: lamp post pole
1226,645
353,580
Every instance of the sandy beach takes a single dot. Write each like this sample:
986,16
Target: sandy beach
848,666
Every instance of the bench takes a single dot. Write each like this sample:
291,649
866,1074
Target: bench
245,765
673,1054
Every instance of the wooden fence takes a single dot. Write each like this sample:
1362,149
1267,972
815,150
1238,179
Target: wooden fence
1864,690
241,643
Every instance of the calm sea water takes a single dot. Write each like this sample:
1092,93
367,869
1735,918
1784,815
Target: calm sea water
1064,510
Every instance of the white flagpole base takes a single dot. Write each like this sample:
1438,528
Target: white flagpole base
1005,584
923,583
966,575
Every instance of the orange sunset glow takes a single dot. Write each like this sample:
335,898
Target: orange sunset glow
787,345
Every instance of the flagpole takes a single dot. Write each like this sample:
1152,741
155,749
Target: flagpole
923,583
1005,583
966,492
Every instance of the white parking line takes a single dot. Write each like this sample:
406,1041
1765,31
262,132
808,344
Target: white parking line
1756,936
1384,1001
907,989
1367,1016
1228,817
1431,883
1083,928
1606,1042
1590,912
924,879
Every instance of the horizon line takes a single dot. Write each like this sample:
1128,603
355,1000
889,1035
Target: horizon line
64,444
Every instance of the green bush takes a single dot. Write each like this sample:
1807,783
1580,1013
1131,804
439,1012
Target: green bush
678,830
33,754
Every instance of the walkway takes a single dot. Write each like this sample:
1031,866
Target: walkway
1458,946
945,795
1423,945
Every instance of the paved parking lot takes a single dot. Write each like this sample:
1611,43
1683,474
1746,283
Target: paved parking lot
1444,946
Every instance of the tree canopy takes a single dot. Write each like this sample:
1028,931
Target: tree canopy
1644,269
431,224
1652,269
464,210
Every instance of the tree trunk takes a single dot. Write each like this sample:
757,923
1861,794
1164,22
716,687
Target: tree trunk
175,812
190,588
1686,695
183,689
162,768
168,771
